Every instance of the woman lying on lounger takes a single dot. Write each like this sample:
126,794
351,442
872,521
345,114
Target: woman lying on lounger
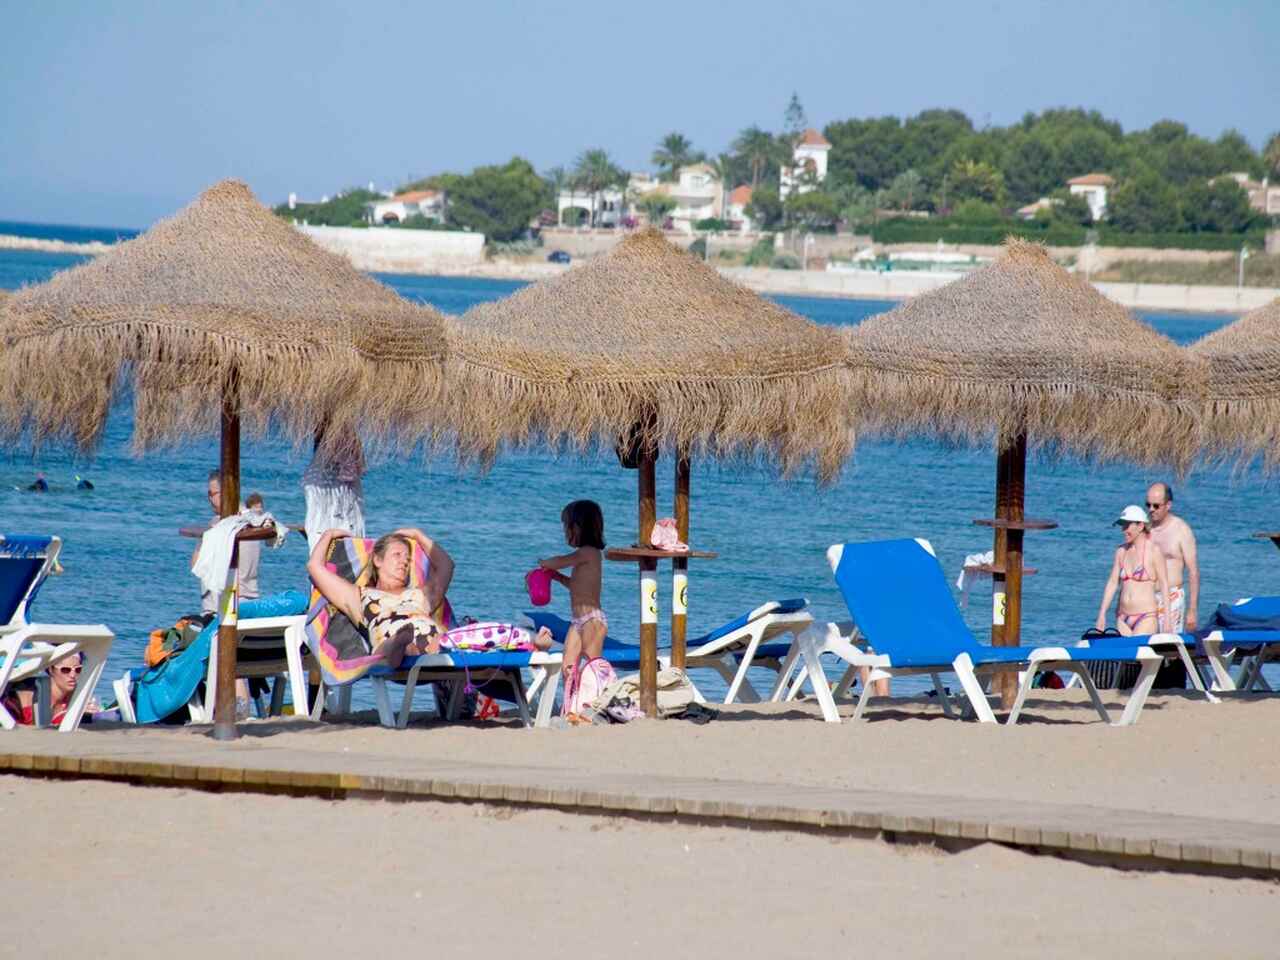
400,619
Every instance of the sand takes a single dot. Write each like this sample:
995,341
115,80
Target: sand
164,872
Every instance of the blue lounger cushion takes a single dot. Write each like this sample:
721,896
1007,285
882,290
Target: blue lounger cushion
882,580
21,560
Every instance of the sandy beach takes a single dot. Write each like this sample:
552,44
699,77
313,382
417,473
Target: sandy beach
156,872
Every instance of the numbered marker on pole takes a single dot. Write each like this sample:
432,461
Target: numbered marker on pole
680,593
648,596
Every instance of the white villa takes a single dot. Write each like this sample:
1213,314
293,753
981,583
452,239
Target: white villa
736,212
1263,197
697,192
397,209
809,167
1093,187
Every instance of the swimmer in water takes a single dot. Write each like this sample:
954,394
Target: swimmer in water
41,485
83,484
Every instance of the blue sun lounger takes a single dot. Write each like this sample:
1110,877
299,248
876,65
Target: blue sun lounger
731,649
907,619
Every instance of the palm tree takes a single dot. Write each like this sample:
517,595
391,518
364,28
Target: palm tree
557,178
674,151
1271,155
723,165
595,173
759,147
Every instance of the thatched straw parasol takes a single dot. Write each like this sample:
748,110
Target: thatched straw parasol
221,314
1241,400
1023,349
650,344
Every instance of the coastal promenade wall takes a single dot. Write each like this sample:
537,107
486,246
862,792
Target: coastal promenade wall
401,251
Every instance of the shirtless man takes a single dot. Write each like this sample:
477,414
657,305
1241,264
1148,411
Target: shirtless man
1175,540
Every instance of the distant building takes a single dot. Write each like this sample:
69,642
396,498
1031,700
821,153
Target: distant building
809,164
736,213
1263,197
1093,187
1031,209
402,206
698,194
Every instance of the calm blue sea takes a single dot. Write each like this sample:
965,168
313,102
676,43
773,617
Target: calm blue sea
68,233
126,566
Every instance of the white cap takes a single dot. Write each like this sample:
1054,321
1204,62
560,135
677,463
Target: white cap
1132,514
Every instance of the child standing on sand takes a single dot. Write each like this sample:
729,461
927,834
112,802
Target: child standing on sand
584,531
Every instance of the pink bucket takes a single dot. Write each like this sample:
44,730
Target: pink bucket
539,583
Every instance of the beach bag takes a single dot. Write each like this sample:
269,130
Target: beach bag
622,698
1110,674
164,643
538,583
586,685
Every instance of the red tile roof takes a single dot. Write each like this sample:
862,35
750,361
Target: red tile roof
414,196
1091,180
812,138
740,196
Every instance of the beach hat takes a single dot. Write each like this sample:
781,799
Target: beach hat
1132,514
538,581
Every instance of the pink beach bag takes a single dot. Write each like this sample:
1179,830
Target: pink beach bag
539,584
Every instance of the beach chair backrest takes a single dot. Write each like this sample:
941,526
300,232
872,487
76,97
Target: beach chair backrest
25,562
339,646
899,597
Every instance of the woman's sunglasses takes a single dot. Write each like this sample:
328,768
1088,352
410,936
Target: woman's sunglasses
68,671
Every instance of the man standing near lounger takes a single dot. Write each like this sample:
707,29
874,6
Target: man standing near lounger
1175,540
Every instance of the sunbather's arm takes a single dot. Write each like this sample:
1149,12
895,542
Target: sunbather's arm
1109,592
439,568
339,592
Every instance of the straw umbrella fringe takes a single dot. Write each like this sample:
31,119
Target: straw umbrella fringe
223,290
1240,404
652,343
1024,347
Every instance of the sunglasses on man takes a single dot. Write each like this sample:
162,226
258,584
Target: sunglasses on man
1154,506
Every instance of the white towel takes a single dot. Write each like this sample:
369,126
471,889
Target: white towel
214,558
968,572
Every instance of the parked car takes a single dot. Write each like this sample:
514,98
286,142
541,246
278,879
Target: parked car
558,256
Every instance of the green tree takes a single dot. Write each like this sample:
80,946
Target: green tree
765,208
794,120
906,191
1271,155
656,206
1144,203
594,172
1220,207
1234,153
761,150
976,180
498,201
814,210
673,152
870,152
857,204
345,209
977,212
1071,208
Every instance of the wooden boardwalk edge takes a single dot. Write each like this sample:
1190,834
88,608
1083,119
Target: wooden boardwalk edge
1117,847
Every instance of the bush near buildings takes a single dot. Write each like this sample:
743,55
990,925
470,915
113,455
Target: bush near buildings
950,230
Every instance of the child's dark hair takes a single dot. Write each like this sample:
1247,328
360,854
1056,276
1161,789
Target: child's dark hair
253,500
585,524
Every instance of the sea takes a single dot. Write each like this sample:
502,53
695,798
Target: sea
126,566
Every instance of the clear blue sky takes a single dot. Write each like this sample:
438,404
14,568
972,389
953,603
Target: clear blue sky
116,113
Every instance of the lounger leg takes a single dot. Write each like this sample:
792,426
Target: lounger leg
455,700
963,667
1193,672
1219,665
744,663
95,659
294,637
1091,688
863,699
522,704
123,688
818,679
1133,709
1025,680
277,695
547,698
406,701
784,671
538,676
941,691
382,699
847,680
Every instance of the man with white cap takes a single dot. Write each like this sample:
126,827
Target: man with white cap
1173,536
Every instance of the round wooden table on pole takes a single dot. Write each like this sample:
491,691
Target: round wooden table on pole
647,558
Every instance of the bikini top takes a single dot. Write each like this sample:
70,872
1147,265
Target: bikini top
1140,573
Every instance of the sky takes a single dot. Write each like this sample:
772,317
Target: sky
118,113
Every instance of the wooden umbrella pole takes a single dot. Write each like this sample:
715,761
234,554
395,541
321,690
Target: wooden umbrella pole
648,588
224,705
1015,484
998,594
680,565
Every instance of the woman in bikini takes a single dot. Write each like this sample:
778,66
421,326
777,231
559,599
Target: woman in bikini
1138,570
400,620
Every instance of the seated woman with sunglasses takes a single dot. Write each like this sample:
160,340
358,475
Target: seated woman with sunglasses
64,676
1138,572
